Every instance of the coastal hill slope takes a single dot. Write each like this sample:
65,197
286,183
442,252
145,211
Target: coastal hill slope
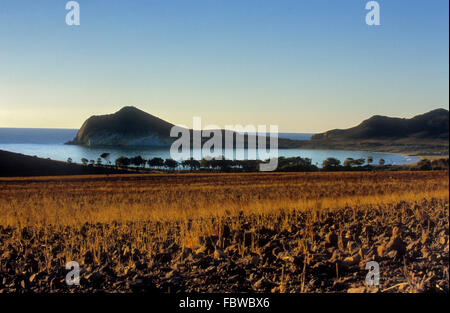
133,127
425,134
432,125
16,164
128,126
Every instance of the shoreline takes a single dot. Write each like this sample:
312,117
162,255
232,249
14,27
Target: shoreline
418,156
405,155
18,165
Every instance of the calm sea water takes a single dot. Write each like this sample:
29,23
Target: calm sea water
49,143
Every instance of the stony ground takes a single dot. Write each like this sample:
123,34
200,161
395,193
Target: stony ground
301,251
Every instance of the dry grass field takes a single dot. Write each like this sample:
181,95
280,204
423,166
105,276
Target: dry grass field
262,232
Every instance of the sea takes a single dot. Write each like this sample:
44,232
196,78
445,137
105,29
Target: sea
49,143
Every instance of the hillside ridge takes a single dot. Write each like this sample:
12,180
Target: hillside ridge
431,125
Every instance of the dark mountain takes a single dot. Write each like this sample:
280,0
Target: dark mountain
429,126
127,127
133,127
426,133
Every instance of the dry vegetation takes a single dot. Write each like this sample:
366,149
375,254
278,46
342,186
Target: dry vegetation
273,232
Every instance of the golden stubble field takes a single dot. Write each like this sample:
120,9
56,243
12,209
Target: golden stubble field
262,232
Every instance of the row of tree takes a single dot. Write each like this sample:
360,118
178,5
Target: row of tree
333,163
284,163
219,164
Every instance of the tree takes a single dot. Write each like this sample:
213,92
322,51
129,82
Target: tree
84,161
331,163
215,163
191,164
369,160
195,164
186,164
295,164
205,163
156,162
105,156
99,161
440,164
69,160
381,161
349,162
249,165
423,165
91,162
122,161
224,164
171,164
359,162
138,161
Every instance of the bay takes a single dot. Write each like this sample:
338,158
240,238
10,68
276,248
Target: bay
49,143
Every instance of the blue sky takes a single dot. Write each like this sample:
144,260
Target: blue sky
307,66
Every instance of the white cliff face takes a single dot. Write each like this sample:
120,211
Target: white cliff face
114,139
